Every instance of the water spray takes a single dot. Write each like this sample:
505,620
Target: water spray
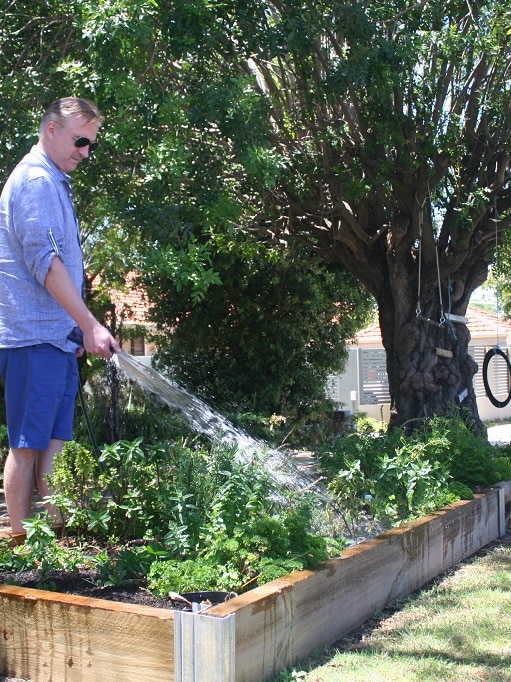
203,419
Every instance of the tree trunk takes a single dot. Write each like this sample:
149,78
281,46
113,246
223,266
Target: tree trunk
429,367
410,187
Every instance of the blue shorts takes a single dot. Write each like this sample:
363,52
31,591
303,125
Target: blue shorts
41,383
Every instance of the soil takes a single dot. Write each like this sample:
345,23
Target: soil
83,583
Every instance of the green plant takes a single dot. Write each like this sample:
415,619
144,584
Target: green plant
133,481
249,549
41,551
399,476
471,459
287,675
128,562
350,490
190,575
77,490
366,424
182,514
409,482
216,348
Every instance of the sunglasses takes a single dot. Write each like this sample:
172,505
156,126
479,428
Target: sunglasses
85,142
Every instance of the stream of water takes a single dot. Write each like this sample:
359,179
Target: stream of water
282,466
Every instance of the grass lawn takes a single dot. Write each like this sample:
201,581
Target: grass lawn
456,629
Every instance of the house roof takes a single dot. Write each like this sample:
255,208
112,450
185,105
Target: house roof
481,324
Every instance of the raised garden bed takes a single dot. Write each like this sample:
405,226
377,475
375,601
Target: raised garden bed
53,637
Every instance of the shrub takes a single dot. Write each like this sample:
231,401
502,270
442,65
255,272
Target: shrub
187,516
402,476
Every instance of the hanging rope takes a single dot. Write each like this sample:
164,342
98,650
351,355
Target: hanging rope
419,277
418,310
496,211
442,316
449,303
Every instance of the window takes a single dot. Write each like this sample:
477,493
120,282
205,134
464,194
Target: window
374,381
137,346
498,373
478,355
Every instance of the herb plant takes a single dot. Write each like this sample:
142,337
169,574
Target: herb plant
184,516
401,477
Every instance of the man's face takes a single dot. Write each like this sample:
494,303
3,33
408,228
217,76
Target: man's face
60,138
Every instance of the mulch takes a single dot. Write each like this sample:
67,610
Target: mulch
84,583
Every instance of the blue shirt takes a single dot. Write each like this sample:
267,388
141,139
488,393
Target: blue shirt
37,223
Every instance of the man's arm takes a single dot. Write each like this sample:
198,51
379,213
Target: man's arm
97,339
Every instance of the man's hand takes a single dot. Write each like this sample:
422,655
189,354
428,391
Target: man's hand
98,340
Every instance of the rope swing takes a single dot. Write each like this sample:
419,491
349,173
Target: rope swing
487,359
496,352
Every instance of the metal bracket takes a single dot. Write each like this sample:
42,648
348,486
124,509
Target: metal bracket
203,647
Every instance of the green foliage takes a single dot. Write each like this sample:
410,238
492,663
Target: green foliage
289,675
473,461
189,576
41,552
400,477
267,340
193,518
254,549
190,270
183,515
119,564
77,490
365,424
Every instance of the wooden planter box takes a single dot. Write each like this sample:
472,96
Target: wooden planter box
51,637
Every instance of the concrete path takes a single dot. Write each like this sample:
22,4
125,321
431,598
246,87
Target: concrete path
4,518
501,433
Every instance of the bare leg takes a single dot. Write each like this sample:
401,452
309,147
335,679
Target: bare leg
43,466
19,481
23,467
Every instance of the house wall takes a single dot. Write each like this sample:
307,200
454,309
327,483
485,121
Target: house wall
359,390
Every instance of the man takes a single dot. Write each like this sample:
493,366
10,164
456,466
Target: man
41,283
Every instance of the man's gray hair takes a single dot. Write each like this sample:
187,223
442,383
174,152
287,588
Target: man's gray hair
67,107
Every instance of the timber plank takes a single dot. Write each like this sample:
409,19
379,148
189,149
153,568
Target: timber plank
51,637
282,622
